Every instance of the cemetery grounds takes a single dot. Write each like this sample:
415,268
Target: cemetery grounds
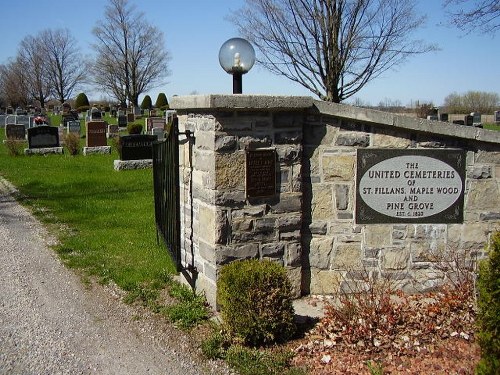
104,221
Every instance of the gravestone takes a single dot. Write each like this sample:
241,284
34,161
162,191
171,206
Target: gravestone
476,118
73,127
154,122
468,120
15,132
137,146
95,114
497,116
62,132
122,121
459,122
96,134
130,117
9,111
432,117
152,113
443,117
159,132
113,131
27,121
43,137
2,120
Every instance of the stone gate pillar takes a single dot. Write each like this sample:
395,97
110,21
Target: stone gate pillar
223,216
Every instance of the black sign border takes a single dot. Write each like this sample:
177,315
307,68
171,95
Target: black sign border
367,158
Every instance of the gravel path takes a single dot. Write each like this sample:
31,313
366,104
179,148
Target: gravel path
50,323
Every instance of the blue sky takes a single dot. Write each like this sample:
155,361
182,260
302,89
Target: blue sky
195,29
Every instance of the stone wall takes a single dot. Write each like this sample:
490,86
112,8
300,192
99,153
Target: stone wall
338,253
309,225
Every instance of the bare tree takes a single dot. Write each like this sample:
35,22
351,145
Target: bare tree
131,54
13,85
331,47
65,65
474,15
32,60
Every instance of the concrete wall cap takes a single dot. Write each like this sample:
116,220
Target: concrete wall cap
245,102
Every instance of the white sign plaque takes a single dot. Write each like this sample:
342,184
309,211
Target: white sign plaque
410,186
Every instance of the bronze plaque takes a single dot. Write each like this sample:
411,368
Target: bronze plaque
260,173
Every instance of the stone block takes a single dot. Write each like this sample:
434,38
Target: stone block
230,170
378,236
342,197
207,224
320,252
254,142
318,227
324,282
288,223
287,137
479,172
320,135
483,194
353,140
339,167
100,150
295,276
322,202
290,236
347,256
390,140
205,140
288,203
228,254
273,250
293,254
225,143
289,154
122,165
395,259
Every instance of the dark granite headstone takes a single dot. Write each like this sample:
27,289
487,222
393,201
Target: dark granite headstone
469,120
443,117
137,146
130,117
15,132
43,137
122,121
497,116
96,134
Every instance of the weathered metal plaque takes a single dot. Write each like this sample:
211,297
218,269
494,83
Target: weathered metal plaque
260,173
410,186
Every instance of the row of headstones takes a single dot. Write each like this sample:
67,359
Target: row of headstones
132,147
474,119
27,121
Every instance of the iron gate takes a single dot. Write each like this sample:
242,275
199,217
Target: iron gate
166,192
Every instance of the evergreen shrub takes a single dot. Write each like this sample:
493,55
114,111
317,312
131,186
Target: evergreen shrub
161,101
488,318
255,299
82,102
134,128
147,103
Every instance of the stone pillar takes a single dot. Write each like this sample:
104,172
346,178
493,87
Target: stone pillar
219,224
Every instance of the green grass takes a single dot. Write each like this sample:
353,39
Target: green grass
104,218
492,126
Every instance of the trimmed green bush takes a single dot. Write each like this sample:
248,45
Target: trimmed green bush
255,301
72,142
147,103
161,101
134,128
82,102
489,309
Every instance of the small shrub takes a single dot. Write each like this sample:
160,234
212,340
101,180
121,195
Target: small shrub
255,301
14,147
72,142
134,128
489,309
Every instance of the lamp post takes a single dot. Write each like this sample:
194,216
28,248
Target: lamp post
237,56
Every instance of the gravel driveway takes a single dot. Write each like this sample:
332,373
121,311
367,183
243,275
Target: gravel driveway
51,323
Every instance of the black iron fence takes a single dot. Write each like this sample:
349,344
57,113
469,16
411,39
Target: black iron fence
166,192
